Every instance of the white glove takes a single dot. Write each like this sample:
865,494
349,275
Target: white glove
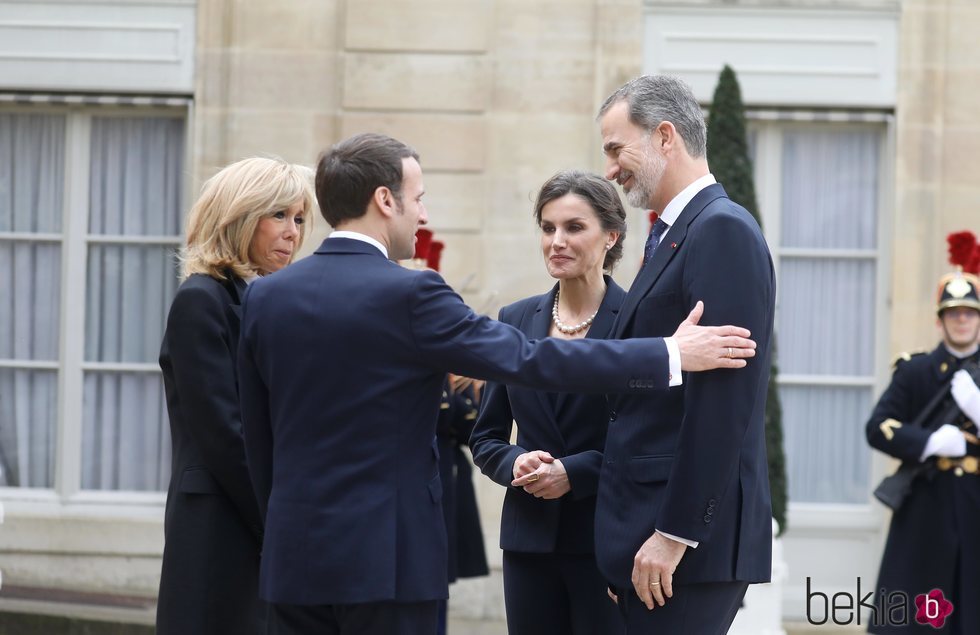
948,440
966,394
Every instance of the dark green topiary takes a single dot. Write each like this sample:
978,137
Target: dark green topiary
728,156
778,487
728,146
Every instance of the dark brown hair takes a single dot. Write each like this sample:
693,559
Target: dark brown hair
348,174
601,197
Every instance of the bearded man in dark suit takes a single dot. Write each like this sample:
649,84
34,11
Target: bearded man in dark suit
683,519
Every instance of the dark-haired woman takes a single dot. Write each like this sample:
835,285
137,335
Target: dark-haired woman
551,582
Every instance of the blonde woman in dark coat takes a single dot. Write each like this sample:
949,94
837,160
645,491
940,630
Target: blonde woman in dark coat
249,221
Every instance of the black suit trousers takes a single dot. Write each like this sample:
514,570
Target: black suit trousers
557,594
370,618
695,609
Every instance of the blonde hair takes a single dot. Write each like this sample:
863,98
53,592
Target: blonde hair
222,222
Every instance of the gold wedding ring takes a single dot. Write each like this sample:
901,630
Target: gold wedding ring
730,354
533,477
654,584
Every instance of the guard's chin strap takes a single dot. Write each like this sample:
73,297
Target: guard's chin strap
959,354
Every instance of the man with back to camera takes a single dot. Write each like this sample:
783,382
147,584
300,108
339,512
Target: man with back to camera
933,537
683,519
345,471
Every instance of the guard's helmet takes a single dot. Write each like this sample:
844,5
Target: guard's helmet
960,288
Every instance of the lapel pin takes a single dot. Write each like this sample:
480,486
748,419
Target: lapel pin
673,245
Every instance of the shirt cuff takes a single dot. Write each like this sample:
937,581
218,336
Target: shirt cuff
674,361
693,544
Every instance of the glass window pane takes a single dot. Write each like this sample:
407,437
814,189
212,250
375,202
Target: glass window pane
30,300
127,295
125,432
136,187
136,182
28,413
830,189
32,173
826,317
828,458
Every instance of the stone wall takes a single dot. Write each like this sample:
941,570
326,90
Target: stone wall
937,144
496,96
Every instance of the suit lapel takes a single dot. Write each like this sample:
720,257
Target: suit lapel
540,319
537,329
600,328
236,288
664,253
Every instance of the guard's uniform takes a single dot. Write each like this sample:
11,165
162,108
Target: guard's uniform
934,538
467,554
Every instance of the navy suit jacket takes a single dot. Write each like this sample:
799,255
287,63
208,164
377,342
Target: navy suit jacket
691,461
571,427
342,361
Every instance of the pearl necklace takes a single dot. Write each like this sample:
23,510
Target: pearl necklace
569,330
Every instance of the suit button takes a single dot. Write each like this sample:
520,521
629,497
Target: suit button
632,383
711,503
707,518
612,415
711,510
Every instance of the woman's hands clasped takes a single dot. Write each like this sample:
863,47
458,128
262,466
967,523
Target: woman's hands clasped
541,475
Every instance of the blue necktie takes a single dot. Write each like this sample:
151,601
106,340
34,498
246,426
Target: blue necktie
653,239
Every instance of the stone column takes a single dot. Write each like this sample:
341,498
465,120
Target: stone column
267,82
936,147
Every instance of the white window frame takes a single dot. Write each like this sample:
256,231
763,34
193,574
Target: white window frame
769,126
66,495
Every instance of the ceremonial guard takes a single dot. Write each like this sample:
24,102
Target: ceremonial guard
457,416
927,417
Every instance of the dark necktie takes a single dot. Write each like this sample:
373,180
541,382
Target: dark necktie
653,239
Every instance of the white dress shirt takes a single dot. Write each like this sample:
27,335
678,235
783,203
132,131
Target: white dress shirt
364,238
679,202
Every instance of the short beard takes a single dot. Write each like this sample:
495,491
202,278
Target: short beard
646,180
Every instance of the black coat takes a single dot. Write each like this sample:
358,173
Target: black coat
209,582
934,538
572,427
467,553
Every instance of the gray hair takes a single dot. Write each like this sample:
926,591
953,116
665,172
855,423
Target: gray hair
653,99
